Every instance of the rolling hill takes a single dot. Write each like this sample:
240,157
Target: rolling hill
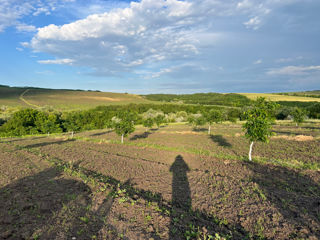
63,99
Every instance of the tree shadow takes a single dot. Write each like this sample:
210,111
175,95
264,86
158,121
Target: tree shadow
295,195
48,206
101,133
220,140
200,129
185,223
287,133
20,139
42,144
140,136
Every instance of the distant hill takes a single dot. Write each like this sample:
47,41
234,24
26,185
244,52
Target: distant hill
63,99
312,94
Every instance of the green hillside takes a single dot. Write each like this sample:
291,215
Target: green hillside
62,99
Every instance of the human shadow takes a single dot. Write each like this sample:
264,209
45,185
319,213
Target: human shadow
101,133
49,206
185,222
42,144
220,140
295,195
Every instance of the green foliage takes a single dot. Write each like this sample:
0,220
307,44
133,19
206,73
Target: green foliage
159,120
259,120
314,110
233,114
231,99
125,123
298,115
213,116
148,123
31,121
283,113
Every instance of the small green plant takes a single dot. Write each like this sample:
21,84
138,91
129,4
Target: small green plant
259,122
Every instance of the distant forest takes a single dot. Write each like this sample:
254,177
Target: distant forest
230,99
313,94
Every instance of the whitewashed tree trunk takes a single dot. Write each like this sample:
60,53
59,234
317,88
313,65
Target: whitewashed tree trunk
72,134
209,129
122,138
48,134
250,151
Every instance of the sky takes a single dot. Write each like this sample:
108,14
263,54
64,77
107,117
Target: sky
161,46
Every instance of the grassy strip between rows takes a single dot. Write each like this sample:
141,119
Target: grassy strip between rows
290,163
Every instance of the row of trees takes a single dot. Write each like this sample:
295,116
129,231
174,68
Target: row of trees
31,121
259,119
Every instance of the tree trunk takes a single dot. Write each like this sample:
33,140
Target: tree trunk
122,138
250,151
72,134
209,129
48,134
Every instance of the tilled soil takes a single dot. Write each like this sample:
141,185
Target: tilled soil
57,188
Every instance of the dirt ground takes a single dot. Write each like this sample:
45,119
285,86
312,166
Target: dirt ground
171,183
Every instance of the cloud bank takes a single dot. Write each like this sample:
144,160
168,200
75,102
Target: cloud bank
149,33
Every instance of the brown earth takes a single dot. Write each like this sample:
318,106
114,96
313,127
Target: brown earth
59,188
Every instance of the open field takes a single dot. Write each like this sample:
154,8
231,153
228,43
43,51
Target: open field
64,99
175,182
278,97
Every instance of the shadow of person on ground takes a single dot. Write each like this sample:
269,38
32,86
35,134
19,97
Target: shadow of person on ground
49,206
182,217
220,140
296,196
186,223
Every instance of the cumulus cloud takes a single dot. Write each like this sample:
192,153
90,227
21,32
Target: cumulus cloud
294,70
145,33
57,61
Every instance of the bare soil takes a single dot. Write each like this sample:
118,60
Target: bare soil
156,187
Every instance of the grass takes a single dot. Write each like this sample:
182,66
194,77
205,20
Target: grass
278,97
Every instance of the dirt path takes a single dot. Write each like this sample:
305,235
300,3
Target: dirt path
25,101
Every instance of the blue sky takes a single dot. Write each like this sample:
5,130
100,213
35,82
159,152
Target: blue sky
158,46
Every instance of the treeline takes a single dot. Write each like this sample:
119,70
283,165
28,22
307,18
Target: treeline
312,94
31,121
230,99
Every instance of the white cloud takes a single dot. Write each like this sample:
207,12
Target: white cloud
22,27
284,60
145,33
253,23
13,11
259,61
57,61
294,70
